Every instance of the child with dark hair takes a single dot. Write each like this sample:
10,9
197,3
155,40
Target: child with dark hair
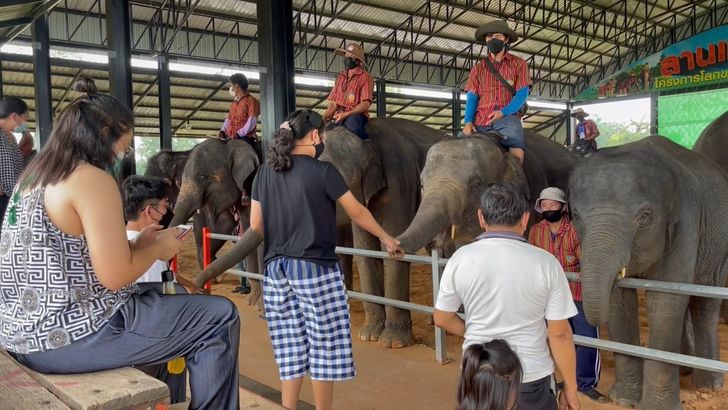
293,205
490,377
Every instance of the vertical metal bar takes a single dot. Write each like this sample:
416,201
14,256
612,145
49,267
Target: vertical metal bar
653,114
2,94
118,34
381,98
275,54
456,117
42,67
569,124
440,337
164,88
206,256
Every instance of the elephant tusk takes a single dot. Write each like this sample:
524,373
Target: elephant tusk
452,232
623,273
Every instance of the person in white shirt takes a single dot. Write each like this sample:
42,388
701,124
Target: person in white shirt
514,291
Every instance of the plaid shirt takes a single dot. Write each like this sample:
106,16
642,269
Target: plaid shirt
240,112
11,162
564,246
492,94
351,88
589,128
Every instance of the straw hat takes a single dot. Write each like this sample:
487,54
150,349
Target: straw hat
496,26
354,49
579,111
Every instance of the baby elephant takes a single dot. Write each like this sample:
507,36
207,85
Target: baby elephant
653,210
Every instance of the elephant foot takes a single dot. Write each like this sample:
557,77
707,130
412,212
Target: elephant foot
255,297
707,381
371,332
663,404
625,398
397,337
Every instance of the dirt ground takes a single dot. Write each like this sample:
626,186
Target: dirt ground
420,358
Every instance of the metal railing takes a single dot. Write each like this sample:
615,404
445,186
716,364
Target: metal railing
436,262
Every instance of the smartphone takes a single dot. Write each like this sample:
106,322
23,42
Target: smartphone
183,230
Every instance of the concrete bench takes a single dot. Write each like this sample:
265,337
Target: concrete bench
126,388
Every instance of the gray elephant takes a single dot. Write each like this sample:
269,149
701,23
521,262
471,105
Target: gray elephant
383,173
654,210
169,165
211,189
457,172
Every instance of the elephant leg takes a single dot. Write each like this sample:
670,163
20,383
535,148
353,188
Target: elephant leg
705,312
624,328
372,283
398,326
665,314
344,238
688,342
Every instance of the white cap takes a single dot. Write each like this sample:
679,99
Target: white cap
552,193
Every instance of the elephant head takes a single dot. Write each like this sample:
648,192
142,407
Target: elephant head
455,174
169,165
214,175
625,208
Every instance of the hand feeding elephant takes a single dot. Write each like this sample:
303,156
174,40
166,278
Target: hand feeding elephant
658,210
457,172
212,182
383,173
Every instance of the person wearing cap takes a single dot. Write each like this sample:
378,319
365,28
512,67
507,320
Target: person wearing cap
557,235
351,97
586,129
242,117
490,105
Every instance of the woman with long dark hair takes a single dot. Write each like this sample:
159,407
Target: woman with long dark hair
293,206
69,302
490,377
13,118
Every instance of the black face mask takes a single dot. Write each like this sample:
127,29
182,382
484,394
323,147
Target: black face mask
495,45
553,216
350,63
166,218
319,149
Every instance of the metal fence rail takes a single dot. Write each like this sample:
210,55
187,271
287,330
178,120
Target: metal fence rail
440,348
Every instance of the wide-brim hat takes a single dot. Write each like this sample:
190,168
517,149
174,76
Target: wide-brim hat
579,111
354,49
552,193
495,26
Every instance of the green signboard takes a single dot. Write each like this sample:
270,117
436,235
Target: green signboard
697,61
683,117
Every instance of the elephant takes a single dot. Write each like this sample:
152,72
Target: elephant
383,173
211,188
652,210
456,174
169,165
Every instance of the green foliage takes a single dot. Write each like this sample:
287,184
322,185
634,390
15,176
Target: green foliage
612,134
146,147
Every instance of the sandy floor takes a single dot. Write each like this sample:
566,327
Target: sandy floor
406,378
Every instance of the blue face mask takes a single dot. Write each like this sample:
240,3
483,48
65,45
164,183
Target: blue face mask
21,128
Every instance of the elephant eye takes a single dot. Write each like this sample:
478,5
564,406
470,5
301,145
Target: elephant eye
644,219
201,177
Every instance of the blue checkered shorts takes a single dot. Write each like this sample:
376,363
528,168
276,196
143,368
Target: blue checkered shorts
308,320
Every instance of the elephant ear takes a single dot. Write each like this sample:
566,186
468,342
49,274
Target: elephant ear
513,172
373,179
243,162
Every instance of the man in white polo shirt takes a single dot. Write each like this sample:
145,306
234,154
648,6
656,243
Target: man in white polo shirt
514,291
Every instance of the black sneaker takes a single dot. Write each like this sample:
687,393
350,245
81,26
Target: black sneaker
244,290
594,395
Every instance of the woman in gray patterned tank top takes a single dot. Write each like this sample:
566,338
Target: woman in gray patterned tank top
68,302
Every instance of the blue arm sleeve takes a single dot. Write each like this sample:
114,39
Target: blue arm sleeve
517,102
471,105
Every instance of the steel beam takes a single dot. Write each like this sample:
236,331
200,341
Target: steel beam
381,98
42,68
118,33
165,103
456,117
275,52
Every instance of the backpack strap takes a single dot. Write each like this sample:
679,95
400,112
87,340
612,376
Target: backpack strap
499,77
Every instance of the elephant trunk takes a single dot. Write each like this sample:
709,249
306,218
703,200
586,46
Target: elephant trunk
247,244
435,214
606,250
188,202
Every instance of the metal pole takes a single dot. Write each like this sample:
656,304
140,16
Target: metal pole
456,117
381,98
569,124
118,33
653,114
1,80
275,49
42,68
164,87
440,336
206,256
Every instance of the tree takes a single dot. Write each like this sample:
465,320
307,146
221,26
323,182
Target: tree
614,133
146,147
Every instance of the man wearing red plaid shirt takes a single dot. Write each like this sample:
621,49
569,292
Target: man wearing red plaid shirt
556,234
351,97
